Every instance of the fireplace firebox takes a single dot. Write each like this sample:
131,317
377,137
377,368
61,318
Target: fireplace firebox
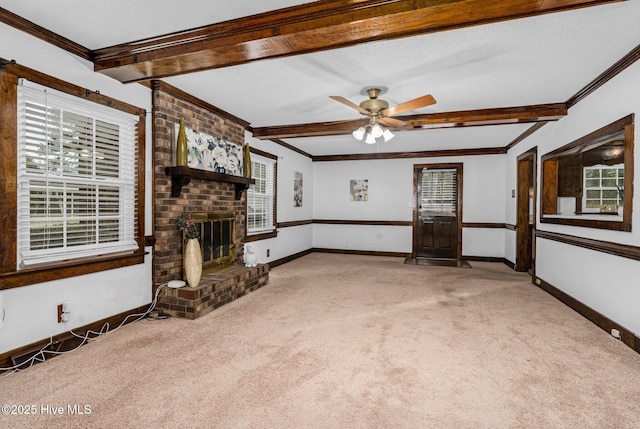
216,239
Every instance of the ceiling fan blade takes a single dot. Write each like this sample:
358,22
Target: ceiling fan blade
425,100
350,104
392,122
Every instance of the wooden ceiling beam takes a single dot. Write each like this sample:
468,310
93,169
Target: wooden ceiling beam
465,118
306,28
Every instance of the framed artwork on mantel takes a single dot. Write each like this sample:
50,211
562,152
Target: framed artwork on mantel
211,153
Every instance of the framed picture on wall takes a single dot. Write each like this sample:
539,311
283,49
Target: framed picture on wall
359,190
297,189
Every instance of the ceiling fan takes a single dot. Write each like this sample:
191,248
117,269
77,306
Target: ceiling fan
379,112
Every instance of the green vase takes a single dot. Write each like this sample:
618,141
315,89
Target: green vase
181,146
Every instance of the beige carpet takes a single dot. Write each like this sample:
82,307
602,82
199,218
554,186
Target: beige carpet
339,341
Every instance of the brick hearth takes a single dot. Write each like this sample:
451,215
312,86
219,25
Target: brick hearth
215,289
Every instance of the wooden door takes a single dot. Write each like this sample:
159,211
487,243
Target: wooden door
436,224
526,211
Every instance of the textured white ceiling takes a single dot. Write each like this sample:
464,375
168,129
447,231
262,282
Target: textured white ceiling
97,24
544,59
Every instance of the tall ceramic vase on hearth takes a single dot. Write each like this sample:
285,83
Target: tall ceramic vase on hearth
192,262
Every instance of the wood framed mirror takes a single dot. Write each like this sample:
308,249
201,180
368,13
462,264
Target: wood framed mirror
589,182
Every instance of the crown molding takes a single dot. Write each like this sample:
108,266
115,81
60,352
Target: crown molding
19,23
464,118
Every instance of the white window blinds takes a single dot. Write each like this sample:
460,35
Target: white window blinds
260,196
439,191
76,177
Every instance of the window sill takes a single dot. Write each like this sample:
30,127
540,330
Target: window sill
613,217
261,236
31,276
613,222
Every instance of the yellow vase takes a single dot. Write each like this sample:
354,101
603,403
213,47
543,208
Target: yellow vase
181,145
247,161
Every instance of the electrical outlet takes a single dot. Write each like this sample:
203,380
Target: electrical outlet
268,252
64,310
538,282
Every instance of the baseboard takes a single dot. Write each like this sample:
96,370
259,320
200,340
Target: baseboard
505,261
378,253
601,321
57,341
509,264
483,258
289,258
361,252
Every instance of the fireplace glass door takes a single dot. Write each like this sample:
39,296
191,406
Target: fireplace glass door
216,239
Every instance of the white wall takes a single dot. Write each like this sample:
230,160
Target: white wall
606,283
391,198
31,311
293,239
487,242
510,245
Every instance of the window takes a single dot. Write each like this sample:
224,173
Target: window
261,196
76,177
604,188
438,195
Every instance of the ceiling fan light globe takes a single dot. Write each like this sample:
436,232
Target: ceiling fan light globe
377,131
370,139
387,135
359,133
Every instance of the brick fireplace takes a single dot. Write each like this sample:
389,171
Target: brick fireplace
198,196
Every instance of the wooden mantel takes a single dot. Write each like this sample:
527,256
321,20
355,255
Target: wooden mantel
181,176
